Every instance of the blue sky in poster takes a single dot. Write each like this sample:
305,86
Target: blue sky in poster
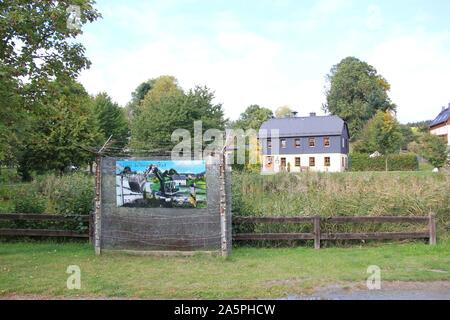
194,166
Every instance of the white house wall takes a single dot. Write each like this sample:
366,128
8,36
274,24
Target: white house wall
442,131
335,162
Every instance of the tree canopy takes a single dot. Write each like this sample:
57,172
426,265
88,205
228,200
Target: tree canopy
381,133
356,92
166,107
434,149
111,120
283,111
37,42
253,117
60,131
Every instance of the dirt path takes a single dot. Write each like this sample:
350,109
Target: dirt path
438,290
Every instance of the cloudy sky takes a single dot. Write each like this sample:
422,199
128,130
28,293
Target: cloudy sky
272,52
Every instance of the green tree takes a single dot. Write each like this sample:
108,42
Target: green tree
167,107
434,149
47,49
36,47
62,131
137,96
408,136
356,92
381,133
111,120
283,112
253,117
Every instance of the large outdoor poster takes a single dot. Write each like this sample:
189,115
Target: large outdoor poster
161,183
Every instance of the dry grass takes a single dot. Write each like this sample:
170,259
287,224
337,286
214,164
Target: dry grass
344,194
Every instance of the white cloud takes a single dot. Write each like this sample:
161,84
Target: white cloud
417,67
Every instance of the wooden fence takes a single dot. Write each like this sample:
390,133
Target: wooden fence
317,235
46,232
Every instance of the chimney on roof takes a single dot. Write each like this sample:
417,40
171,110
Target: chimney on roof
312,114
443,108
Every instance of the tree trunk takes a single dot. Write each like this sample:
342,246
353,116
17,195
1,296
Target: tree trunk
386,159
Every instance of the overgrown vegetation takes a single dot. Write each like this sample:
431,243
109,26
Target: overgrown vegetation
71,194
343,194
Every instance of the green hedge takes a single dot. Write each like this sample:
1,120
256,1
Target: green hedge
397,162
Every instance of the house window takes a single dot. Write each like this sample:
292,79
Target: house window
343,162
343,142
283,143
327,161
283,164
269,160
297,162
269,143
297,143
312,142
326,142
312,161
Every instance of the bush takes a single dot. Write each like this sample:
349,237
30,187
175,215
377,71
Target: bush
71,194
398,162
29,202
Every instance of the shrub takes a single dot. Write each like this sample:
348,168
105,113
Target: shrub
398,162
71,194
29,202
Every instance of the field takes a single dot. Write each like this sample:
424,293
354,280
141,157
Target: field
345,194
39,269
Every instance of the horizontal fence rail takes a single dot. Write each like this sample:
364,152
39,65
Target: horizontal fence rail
46,232
317,235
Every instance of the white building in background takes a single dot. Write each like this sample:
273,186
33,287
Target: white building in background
316,143
441,125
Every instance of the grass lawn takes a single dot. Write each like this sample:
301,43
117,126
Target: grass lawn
40,269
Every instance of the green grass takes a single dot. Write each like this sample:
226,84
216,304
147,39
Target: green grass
40,269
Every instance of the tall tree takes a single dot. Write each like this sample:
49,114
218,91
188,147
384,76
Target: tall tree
62,129
111,119
37,40
137,96
166,108
434,149
355,92
283,112
253,117
37,46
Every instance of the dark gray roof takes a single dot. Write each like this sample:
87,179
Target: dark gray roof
442,117
179,177
305,126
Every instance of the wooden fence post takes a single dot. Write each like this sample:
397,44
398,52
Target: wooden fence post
432,228
91,228
316,232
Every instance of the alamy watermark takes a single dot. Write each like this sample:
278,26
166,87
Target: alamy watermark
246,145
374,280
74,19
74,280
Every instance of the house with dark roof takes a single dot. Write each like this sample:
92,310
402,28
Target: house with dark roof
295,144
441,125
179,180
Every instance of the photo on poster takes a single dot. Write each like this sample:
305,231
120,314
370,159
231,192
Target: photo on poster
161,183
